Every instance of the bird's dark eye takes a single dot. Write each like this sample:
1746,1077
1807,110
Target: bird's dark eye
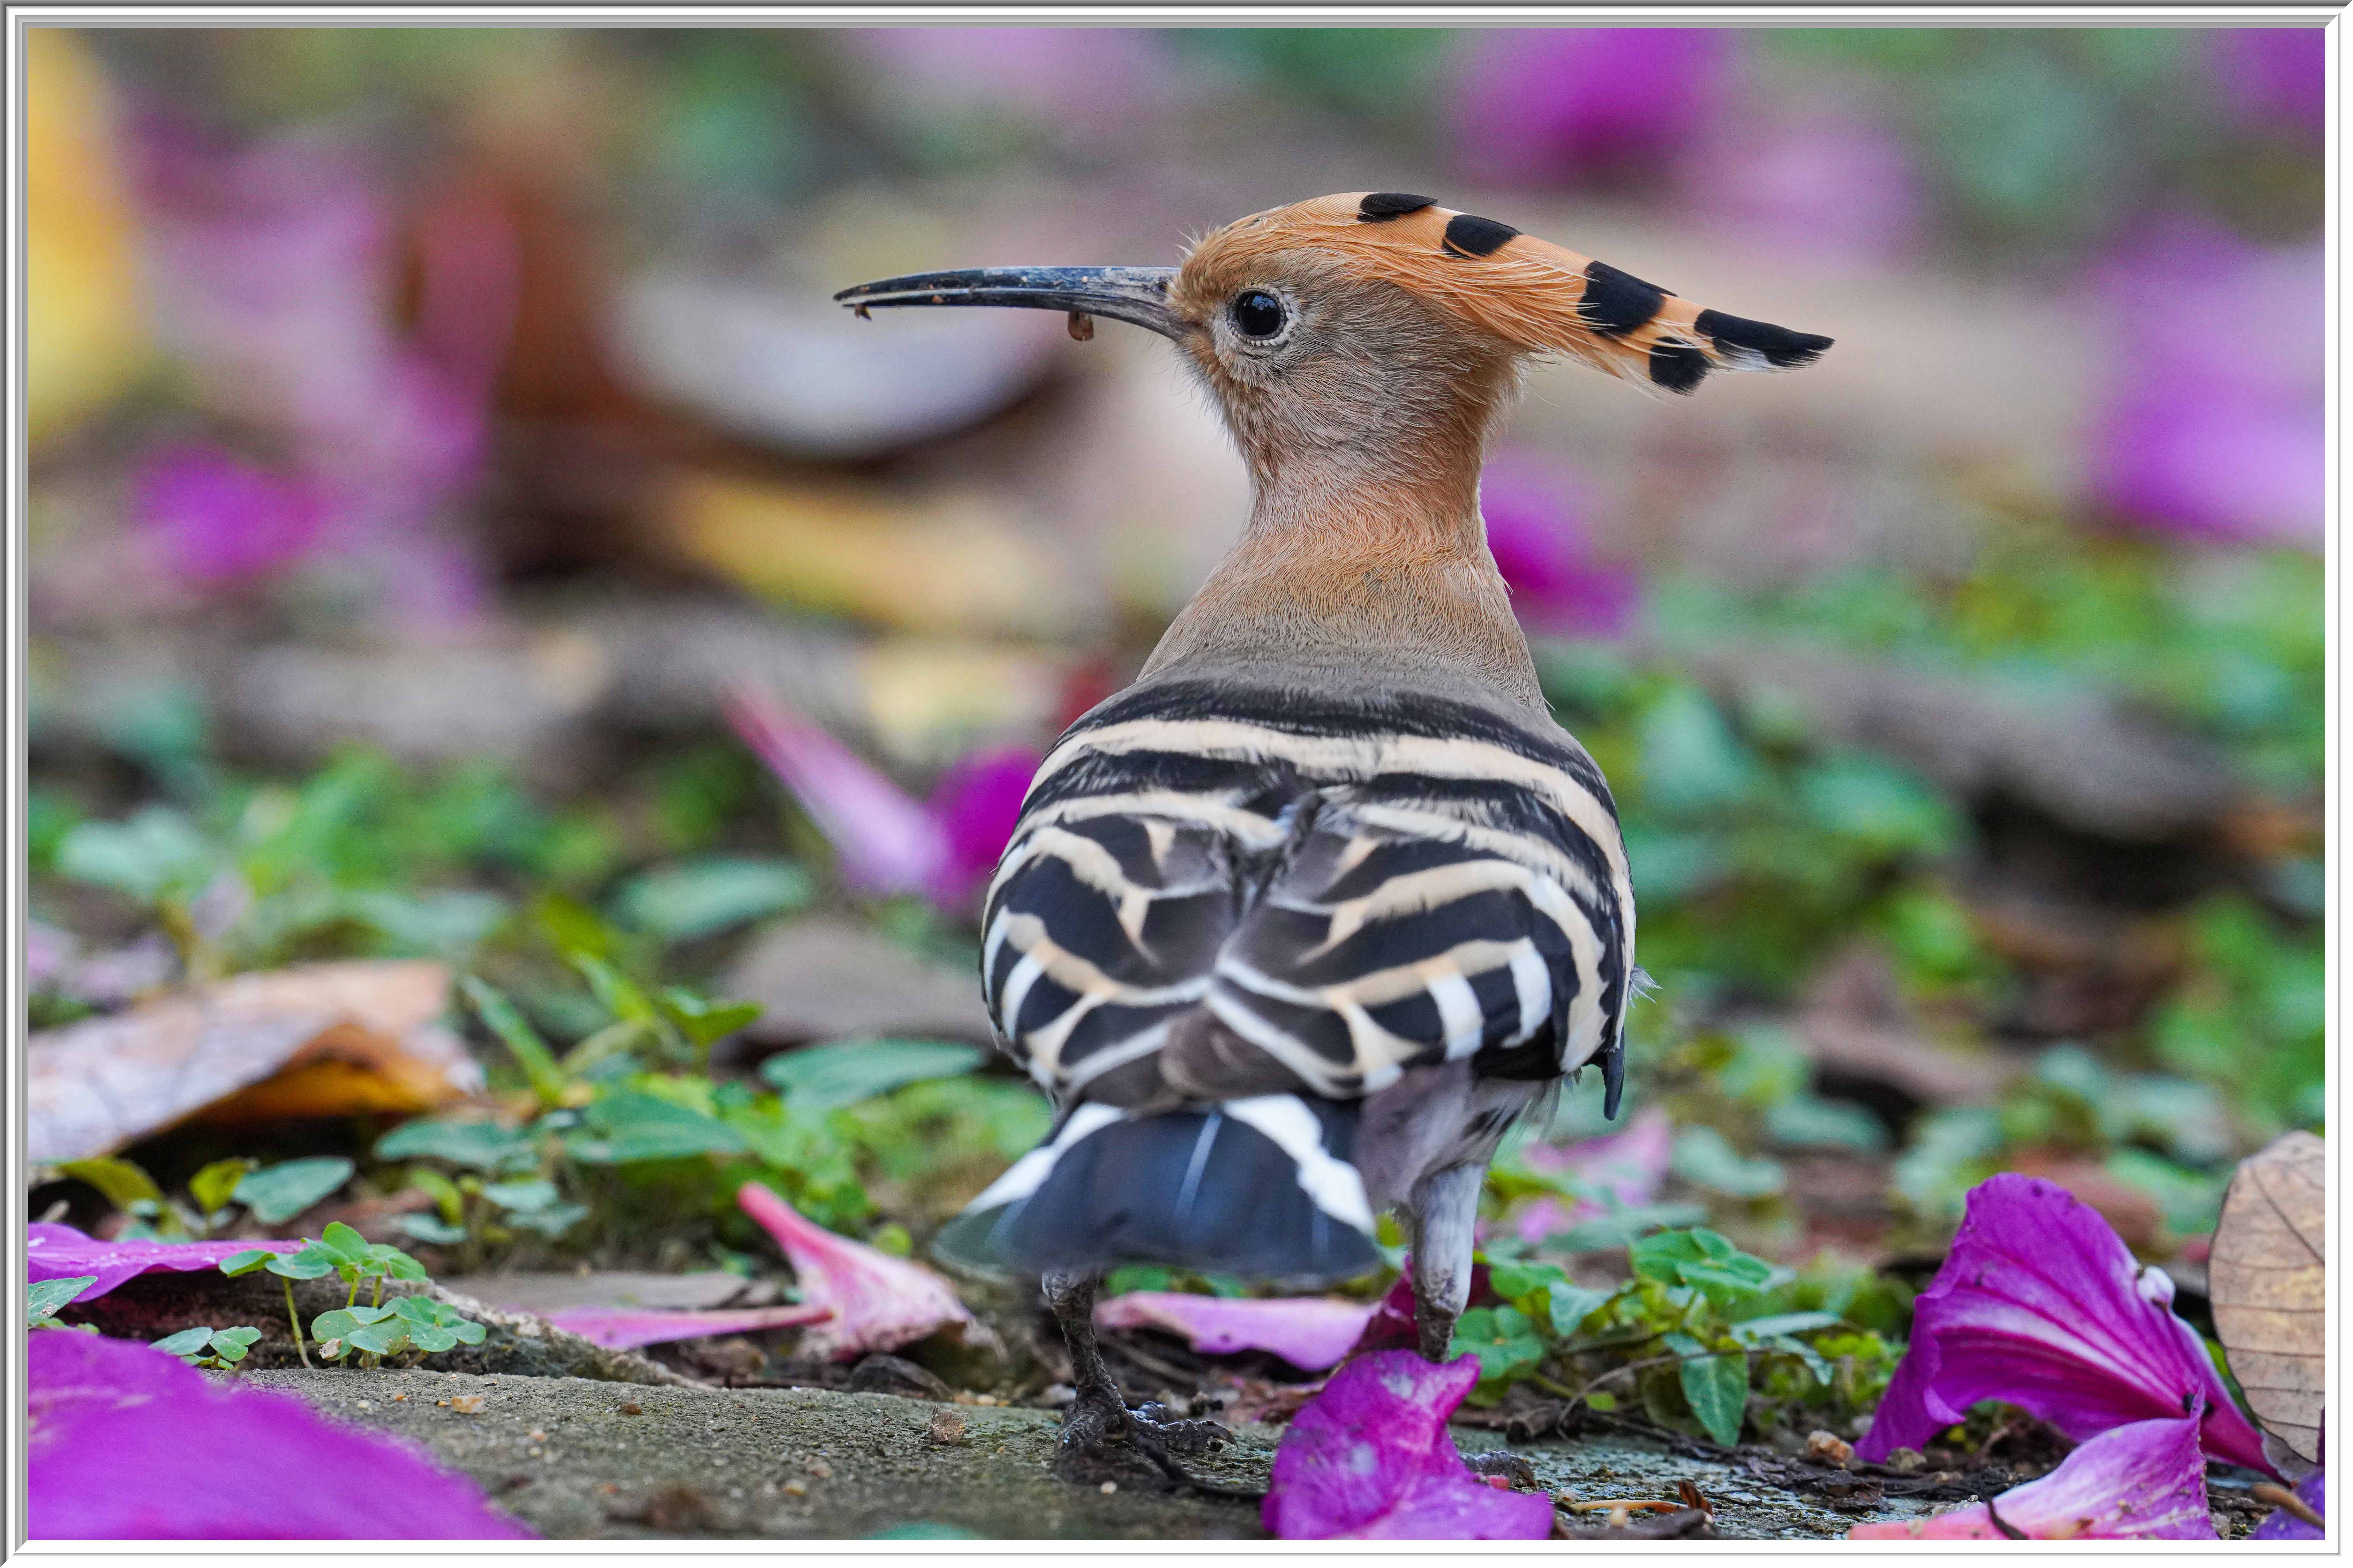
1259,315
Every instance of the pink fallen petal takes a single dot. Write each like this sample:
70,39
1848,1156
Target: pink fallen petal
2038,1303
2143,1481
127,1444
1311,1333
1371,1460
887,841
627,1328
2313,1491
977,804
1629,1165
1392,1325
879,1302
62,1252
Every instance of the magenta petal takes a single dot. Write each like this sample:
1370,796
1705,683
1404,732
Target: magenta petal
888,841
627,1328
218,517
1630,1166
2284,1526
879,1302
127,1444
62,1252
2144,1481
2040,1304
1370,1459
1309,1331
977,804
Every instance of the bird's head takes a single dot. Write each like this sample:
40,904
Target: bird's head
1379,329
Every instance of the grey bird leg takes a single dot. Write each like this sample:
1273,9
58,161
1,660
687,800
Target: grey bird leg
1445,1219
1099,1419
1445,1213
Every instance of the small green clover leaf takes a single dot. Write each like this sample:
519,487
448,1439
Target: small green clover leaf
428,1228
44,1297
187,1344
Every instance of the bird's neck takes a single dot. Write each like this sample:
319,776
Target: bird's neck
1377,570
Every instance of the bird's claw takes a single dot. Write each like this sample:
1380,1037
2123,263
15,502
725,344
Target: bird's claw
1097,1424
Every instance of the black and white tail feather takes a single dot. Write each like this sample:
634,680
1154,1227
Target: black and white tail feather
1229,917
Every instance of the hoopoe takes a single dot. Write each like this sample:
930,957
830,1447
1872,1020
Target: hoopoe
1295,927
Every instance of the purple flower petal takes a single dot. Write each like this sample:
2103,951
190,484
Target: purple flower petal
1539,107
2284,1526
2142,1481
217,518
127,1444
2038,1303
1309,1331
1391,1326
888,841
977,803
62,1252
1370,1459
1535,530
2276,76
627,1328
1630,1166
879,1302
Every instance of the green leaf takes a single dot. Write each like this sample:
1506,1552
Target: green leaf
347,1247
246,1262
44,1297
550,1222
1705,1158
393,1264
431,1338
704,1021
447,1199
523,1197
1514,1280
1622,1228
506,1021
478,1145
379,1339
157,853
1783,1323
616,991
690,898
826,1078
186,1342
426,1227
625,1126
467,1332
215,1185
610,1041
1568,1305
122,1183
1717,1386
242,1337
312,1263
278,1193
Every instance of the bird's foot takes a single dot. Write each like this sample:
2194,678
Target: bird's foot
1502,1463
1099,1432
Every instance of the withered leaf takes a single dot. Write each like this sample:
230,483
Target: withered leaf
316,1040
2268,1282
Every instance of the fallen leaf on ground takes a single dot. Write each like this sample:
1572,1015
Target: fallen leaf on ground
125,1443
828,980
326,1039
2038,1303
879,1302
62,1252
627,1328
1371,1459
2142,1481
2267,1276
1311,1333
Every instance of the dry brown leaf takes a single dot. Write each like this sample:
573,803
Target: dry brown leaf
2268,1278
316,1040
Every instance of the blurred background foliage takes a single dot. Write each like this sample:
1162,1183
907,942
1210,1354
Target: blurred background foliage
433,428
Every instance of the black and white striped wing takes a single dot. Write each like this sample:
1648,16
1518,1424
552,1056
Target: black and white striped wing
1348,888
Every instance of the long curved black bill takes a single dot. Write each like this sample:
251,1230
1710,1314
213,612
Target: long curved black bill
1137,295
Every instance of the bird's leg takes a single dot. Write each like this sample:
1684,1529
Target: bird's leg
1445,1221
1445,1214
1098,1418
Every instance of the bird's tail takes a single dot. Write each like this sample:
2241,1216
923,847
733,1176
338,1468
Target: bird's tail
1261,1188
